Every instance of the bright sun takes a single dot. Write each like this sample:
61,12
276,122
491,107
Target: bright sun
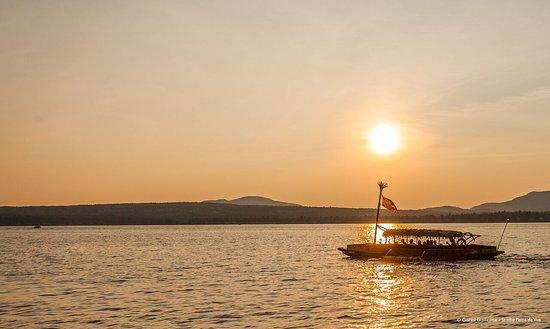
384,139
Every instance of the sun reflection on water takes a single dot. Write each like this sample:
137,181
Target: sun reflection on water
366,231
378,291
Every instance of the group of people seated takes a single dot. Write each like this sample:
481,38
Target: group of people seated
419,242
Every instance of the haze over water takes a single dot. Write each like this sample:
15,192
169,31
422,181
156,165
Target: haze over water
260,276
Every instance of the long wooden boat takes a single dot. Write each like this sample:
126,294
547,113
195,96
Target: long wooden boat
423,244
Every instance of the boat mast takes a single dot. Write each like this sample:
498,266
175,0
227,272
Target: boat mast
382,186
504,230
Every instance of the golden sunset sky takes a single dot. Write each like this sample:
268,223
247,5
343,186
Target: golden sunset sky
131,101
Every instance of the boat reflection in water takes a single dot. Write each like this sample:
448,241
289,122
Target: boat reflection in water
422,244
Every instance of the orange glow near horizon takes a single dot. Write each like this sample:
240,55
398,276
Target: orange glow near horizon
306,102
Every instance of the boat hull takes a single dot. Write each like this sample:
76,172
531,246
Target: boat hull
416,253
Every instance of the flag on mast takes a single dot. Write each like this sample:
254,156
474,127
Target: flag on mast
388,204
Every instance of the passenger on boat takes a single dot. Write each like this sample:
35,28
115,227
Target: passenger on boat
411,241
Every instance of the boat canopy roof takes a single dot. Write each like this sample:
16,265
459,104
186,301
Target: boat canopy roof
422,232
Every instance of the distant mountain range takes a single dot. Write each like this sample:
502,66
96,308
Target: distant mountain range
533,201
254,201
533,207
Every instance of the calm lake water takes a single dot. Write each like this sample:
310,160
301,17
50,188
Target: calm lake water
262,276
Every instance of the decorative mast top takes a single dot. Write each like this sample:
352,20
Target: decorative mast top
386,203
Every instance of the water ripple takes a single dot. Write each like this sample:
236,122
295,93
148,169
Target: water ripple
259,276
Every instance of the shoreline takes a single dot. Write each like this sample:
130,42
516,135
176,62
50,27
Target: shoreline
278,223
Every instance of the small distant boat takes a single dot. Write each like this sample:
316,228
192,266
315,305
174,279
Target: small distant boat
37,226
422,245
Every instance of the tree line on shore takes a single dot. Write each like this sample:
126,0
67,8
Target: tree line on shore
197,213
